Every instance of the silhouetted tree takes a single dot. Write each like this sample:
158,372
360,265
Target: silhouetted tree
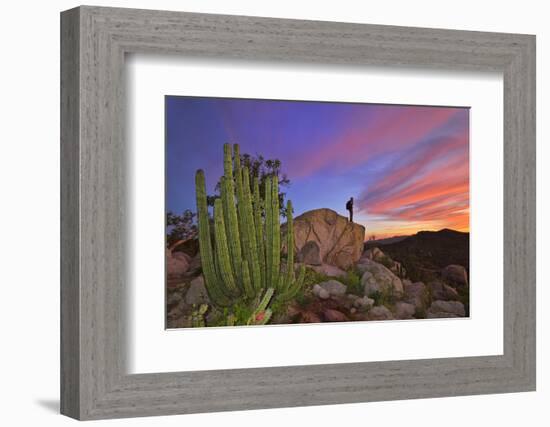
260,168
180,228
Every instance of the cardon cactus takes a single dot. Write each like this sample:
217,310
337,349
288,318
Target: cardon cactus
243,260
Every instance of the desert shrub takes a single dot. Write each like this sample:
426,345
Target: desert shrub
313,277
352,280
385,297
386,261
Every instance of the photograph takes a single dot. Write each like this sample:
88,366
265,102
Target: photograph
293,212
289,212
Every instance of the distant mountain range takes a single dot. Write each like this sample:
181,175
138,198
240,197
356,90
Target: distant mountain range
427,251
385,241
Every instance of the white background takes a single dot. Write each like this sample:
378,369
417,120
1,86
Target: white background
152,349
29,233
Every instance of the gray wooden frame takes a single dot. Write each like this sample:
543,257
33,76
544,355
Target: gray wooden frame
94,382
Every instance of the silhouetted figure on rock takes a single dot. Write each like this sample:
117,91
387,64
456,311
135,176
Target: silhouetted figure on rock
349,207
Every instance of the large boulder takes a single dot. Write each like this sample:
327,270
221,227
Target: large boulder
456,275
176,267
443,309
340,242
415,293
377,278
375,254
441,291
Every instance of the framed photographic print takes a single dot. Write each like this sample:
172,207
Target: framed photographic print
286,213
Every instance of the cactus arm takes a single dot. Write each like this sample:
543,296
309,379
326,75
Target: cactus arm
264,302
289,279
294,286
247,283
260,244
276,231
251,232
241,207
268,233
222,251
213,284
265,317
262,314
230,213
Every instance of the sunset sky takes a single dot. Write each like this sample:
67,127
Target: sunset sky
407,167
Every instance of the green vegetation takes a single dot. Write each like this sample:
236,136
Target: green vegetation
242,264
352,280
385,297
386,261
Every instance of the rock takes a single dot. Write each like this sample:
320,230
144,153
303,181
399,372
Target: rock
329,270
196,294
195,263
310,317
375,254
334,287
181,255
415,293
406,282
310,254
441,291
175,267
363,303
340,242
404,310
380,313
320,292
446,309
173,298
455,274
331,315
377,278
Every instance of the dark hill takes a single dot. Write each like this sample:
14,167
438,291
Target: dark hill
428,251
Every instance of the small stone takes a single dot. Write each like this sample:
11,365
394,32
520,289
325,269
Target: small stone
404,310
320,292
440,309
380,313
310,317
334,287
441,291
455,274
334,315
197,294
364,302
328,270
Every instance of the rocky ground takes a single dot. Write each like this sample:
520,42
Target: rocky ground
344,281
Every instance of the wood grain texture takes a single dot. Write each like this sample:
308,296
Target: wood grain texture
94,381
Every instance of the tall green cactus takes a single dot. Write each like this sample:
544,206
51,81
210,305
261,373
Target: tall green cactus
215,287
245,261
